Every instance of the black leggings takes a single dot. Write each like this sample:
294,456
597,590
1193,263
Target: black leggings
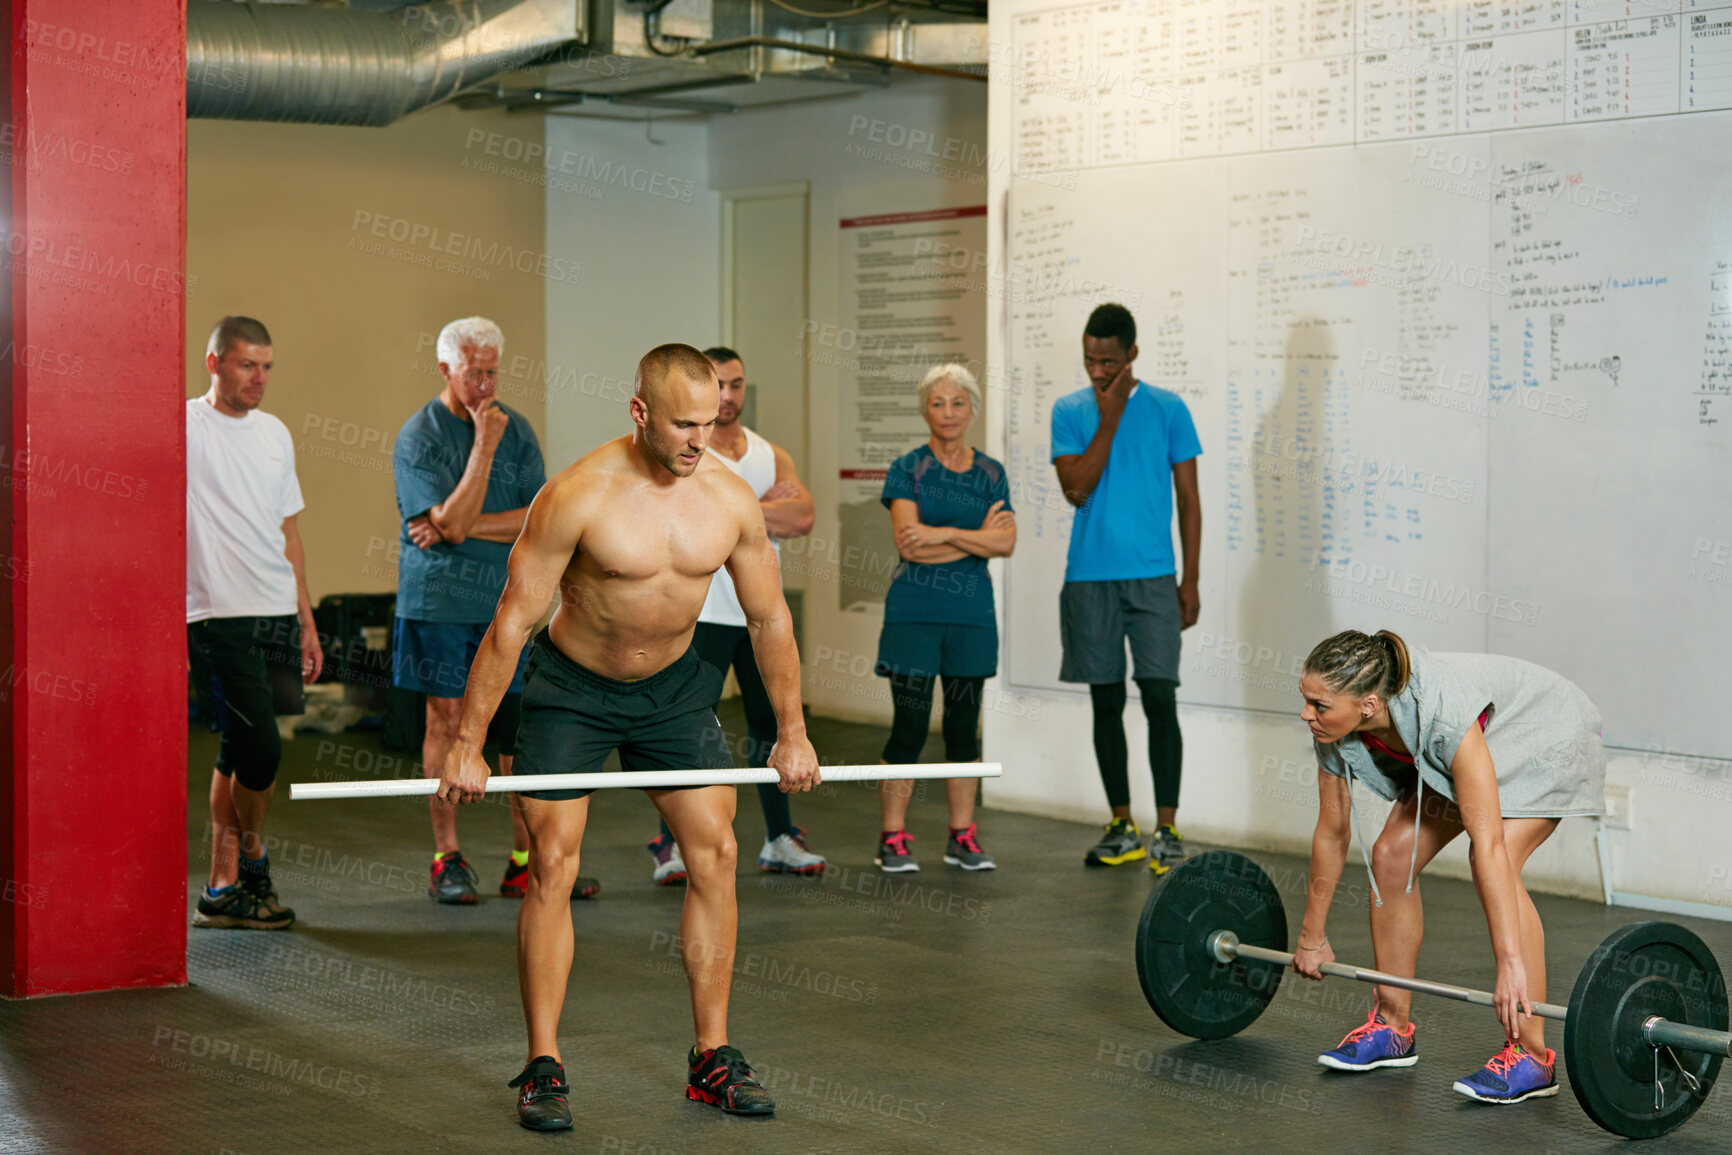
255,664
911,700
1166,746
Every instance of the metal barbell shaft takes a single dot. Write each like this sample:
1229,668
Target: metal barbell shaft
1664,1033
1225,946
641,779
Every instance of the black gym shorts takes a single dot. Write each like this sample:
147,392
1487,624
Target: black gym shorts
573,717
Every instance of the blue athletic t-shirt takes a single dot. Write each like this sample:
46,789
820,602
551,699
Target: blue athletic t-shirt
952,592
457,583
1124,530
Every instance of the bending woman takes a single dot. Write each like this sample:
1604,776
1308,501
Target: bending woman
1494,746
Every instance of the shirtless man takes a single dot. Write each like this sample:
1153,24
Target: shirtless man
629,536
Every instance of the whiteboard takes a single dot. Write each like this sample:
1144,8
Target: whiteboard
1460,356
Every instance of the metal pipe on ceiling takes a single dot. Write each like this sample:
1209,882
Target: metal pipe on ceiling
318,65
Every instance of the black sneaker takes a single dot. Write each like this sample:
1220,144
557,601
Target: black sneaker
238,908
894,854
1122,843
722,1078
453,880
515,884
541,1103
258,882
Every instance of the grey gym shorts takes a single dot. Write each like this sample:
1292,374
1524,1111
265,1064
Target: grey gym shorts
1097,618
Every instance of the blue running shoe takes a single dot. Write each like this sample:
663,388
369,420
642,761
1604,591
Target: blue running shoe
1374,1045
1511,1075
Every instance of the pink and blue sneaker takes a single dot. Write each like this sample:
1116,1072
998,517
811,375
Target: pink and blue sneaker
1373,1045
1511,1075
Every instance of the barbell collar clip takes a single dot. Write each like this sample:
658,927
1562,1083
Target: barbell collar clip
1224,946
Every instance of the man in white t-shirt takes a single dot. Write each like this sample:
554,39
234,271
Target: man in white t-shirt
249,619
721,639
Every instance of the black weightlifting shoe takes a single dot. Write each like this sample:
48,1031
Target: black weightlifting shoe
722,1078
453,880
541,1100
515,884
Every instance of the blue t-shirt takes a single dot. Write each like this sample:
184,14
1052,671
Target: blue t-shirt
952,592
457,583
1124,531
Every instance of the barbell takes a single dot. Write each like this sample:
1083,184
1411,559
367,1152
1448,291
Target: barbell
1211,953
641,779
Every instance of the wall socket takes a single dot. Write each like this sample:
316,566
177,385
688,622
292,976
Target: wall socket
1618,807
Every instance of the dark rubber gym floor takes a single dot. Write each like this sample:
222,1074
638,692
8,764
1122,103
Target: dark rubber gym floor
937,1012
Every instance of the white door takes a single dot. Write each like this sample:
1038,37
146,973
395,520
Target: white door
764,313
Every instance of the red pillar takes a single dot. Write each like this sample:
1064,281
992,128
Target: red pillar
92,497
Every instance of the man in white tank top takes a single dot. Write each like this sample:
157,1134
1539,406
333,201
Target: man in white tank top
721,637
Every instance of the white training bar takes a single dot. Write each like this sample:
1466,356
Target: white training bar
642,779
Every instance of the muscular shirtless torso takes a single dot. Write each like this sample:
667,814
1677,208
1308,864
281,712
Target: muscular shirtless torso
645,551
627,538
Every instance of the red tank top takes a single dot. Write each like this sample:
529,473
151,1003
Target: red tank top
1378,746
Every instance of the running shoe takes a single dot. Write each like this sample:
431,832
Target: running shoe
1166,849
895,856
1373,1045
258,881
964,850
1122,843
542,1103
453,880
670,867
722,1078
239,908
515,884
787,854
1511,1075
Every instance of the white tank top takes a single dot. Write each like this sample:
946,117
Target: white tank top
758,467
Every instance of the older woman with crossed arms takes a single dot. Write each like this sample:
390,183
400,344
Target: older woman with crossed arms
950,508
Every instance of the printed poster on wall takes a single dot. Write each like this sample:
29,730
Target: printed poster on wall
913,296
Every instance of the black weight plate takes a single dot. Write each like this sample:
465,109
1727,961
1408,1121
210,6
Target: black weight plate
1647,968
1194,994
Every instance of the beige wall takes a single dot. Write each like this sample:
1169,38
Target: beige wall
284,223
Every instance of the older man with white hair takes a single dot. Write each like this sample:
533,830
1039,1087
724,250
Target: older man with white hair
466,469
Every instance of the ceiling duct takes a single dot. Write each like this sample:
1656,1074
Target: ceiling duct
325,65
648,58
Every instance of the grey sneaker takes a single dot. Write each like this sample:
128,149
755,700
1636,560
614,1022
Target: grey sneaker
259,884
1166,849
787,854
964,850
1122,843
238,908
894,854
453,881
